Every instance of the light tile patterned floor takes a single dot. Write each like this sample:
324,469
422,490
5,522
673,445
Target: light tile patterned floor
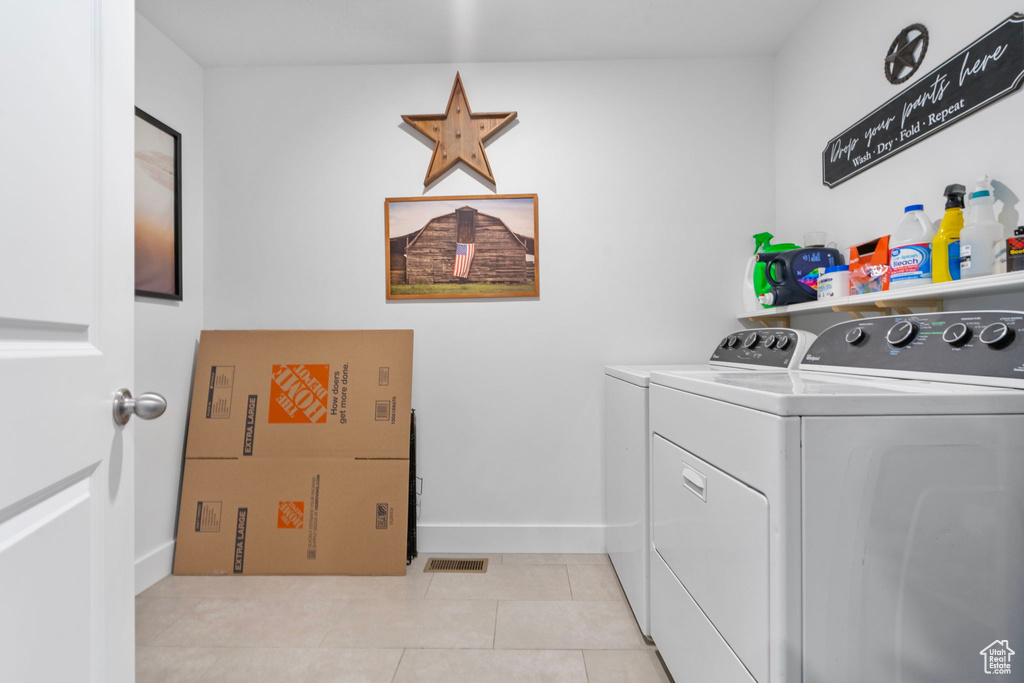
530,618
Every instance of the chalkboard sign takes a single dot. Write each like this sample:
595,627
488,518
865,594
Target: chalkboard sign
987,69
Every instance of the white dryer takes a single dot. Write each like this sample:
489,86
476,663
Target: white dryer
627,439
861,519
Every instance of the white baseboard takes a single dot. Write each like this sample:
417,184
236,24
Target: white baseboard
437,538
154,566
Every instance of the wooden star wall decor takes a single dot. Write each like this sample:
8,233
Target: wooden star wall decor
459,134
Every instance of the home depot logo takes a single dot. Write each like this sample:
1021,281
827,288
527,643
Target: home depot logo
289,514
298,394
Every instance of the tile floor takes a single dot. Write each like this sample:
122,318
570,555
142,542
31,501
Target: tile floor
530,618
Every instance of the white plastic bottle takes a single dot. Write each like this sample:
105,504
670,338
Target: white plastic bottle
910,250
982,182
982,244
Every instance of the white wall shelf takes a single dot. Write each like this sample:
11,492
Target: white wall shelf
929,297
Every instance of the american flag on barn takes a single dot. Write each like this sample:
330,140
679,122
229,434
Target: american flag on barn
463,259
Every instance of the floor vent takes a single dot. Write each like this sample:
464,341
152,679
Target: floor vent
445,564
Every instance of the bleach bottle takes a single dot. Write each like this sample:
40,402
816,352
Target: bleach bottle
910,250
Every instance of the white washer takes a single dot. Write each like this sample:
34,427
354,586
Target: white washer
837,525
627,439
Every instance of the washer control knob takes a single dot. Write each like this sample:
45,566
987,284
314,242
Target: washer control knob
957,334
724,344
996,335
732,340
769,341
856,336
751,340
781,342
901,334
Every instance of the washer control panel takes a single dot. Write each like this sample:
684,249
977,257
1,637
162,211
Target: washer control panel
777,347
969,346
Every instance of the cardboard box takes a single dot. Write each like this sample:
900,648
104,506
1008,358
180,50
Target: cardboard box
297,458
869,266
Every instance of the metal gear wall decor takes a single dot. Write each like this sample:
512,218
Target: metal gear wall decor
904,59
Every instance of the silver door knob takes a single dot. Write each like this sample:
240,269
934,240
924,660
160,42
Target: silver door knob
146,406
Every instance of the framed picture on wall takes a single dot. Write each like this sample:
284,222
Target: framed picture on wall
461,247
157,209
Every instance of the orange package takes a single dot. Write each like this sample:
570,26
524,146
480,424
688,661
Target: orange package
869,266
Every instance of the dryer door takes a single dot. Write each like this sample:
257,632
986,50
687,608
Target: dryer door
712,532
913,547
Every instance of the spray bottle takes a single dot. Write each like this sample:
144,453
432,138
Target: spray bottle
946,247
982,182
982,243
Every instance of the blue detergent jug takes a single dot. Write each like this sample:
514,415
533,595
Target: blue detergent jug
793,275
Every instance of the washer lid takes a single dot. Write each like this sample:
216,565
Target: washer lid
640,375
820,393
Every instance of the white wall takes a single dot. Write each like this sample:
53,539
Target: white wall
169,86
652,177
829,75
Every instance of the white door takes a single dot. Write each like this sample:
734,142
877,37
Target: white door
66,338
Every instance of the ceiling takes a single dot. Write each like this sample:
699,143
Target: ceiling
305,32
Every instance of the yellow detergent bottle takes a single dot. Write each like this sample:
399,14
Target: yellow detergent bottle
946,246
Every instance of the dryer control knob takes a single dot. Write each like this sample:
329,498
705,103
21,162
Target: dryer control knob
782,342
901,334
957,334
769,341
996,335
751,340
733,340
856,336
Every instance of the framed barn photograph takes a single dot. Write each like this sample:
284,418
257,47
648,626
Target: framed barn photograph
462,247
157,209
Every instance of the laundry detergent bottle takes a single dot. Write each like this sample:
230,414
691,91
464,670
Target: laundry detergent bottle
946,247
755,282
982,244
910,249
